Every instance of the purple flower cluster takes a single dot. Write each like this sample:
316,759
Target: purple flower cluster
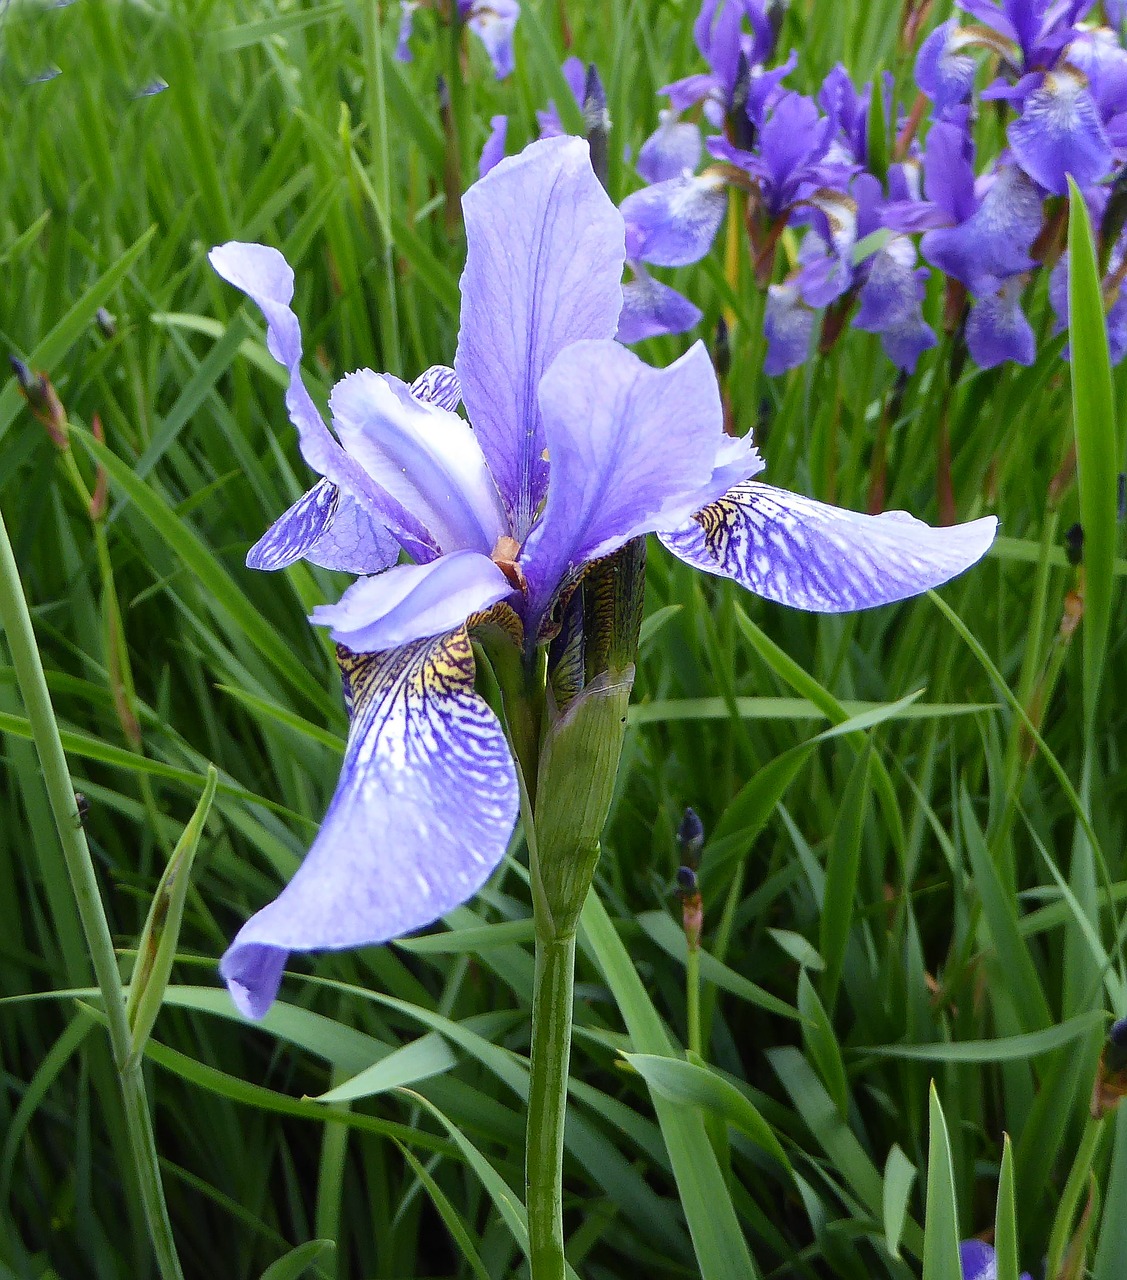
854,226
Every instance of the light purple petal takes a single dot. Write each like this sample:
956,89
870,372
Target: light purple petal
544,269
1060,132
672,149
979,1261
674,223
949,172
267,279
493,22
422,814
997,329
494,150
330,529
426,457
788,326
812,556
634,449
411,602
651,309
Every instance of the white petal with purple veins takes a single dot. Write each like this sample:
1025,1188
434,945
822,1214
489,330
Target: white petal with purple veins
813,556
422,814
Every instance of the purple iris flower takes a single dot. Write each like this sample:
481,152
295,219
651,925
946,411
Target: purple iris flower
492,21
1039,28
793,154
788,326
728,49
573,447
979,1262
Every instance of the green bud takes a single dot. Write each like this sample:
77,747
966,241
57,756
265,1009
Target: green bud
157,947
578,767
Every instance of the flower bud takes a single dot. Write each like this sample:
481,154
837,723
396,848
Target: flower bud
596,121
44,401
690,837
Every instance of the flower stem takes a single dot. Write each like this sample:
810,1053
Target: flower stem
16,622
552,1001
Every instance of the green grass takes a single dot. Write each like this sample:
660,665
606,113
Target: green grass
924,893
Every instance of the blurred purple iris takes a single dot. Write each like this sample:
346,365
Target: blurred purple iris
979,1261
492,21
572,448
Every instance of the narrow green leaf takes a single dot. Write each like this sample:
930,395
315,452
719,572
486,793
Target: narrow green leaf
1005,1221
941,1223
298,1261
156,949
1093,414
690,1085
899,1178
842,868
428,1056
1005,1049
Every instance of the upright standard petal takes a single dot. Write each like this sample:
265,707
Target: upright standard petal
422,814
634,449
543,269
413,601
812,556
425,456
329,528
267,279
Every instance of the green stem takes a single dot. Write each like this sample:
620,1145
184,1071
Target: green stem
16,621
552,1000
692,1001
1070,1197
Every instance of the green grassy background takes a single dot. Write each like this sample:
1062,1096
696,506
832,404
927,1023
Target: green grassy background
926,899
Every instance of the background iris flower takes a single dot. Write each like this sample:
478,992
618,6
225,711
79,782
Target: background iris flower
573,448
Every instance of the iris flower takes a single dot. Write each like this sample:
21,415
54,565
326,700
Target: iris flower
979,1262
573,447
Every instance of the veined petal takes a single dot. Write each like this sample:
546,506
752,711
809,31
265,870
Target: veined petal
330,529
634,449
438,385
267,279
812,556
1060,132
422,814
543,269
674,223
427,457
997,239
413,601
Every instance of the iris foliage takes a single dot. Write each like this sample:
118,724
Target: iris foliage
932,893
